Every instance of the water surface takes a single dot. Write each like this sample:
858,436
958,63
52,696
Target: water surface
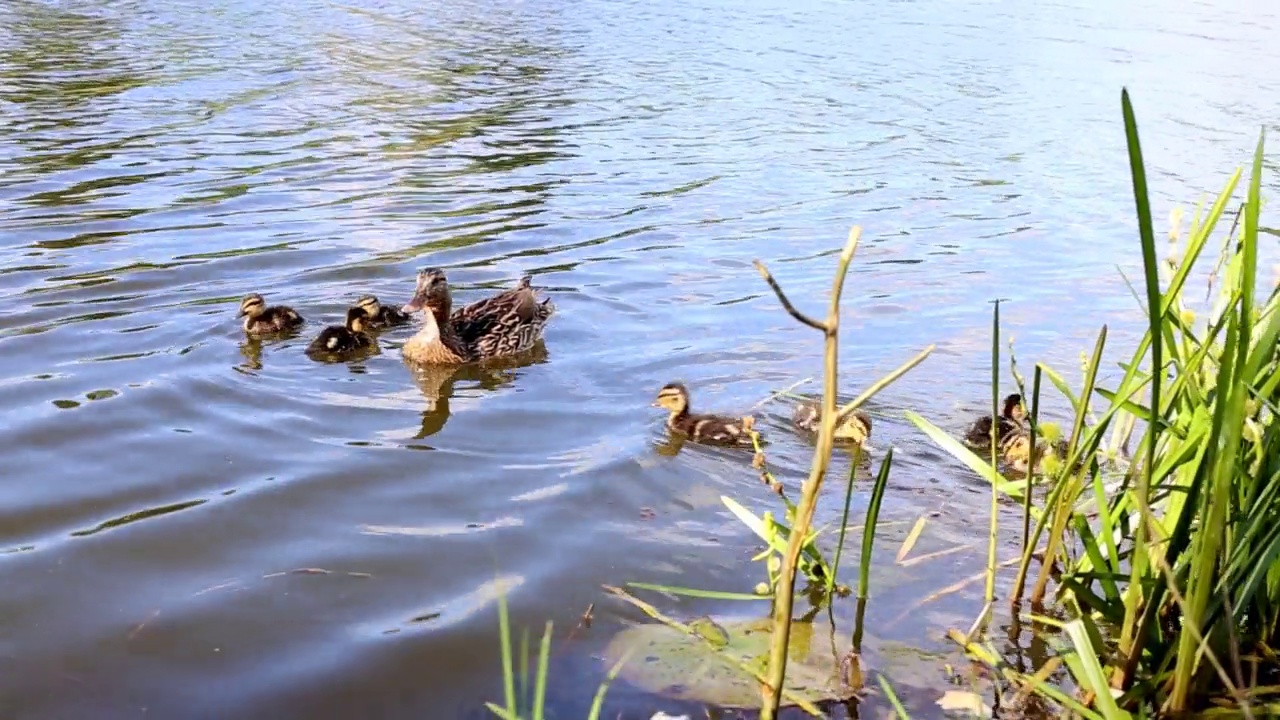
196,525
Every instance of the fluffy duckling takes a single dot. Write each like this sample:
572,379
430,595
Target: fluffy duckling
1015,450
378,316
856,427
708,429
342,340
262,320
1012,417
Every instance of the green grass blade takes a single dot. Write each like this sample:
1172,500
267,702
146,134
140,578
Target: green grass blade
1063,699
540,690
993,529
844,520
598,702
1196,243
526,688
1061,384
777,542
1250,242
508,667
893,698
869,529
501,712
1096,558
694,592
1089,673
982,467
1142,205
1026,498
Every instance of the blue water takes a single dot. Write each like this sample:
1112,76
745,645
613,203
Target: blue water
160,160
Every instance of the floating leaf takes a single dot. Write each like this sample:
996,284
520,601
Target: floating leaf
682,666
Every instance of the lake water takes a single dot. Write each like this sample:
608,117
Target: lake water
172,493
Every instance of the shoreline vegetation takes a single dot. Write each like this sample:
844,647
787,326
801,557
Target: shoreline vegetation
1154,577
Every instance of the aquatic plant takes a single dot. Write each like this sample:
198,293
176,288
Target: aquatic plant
1169,569
784,592
522,705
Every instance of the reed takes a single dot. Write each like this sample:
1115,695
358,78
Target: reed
1168,569
521,706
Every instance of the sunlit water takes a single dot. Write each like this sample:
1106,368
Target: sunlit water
196,526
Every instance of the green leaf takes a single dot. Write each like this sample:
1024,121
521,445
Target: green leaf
693,592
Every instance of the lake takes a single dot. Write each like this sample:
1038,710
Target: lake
195,525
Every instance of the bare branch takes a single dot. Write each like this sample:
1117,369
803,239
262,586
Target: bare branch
786,304
784,591
842,269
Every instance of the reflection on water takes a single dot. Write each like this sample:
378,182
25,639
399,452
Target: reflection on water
194,510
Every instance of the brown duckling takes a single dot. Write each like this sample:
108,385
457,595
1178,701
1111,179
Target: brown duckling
379,316
343,340
504,324
709,429
1015,450
855,427
1012,417
262,320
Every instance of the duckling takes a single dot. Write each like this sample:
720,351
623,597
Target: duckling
709,429
505,324
856,427
342,340
1015,450
1012,416
377,315
262,320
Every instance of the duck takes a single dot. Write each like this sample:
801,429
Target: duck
343,340
504,324
1015,450
707,429
855,427
1012,417
262,320
379,316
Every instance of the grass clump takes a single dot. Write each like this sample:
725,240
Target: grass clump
1169,572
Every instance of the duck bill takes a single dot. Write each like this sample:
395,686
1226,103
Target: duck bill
418,302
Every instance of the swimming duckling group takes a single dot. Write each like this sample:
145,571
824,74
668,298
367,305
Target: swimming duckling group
501,325
853,428
1012,430
1012,434
512,321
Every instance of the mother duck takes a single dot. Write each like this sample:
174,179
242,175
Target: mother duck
504,324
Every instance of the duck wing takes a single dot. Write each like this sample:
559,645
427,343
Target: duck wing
496,314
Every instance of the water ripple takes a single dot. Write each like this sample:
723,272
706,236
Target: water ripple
312,532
